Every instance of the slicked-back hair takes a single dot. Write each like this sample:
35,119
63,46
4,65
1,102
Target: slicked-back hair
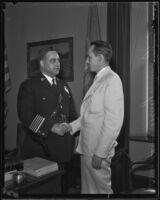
102,47
42,52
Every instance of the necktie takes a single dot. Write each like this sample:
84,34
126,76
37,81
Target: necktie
55,87
54,81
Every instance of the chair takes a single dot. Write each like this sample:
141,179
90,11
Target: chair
15,153
132,177
144,191
143,175
13,157
20,137
120,176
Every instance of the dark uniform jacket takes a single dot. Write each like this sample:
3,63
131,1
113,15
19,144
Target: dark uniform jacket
39,106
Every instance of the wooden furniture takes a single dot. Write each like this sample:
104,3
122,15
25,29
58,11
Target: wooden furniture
46,184
120,161
143,170
143,173
140,174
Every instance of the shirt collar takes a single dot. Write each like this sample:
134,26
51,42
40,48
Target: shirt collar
101,71
49,78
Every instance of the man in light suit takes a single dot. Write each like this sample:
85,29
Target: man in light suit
100,121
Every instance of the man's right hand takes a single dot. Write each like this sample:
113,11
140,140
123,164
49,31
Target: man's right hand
60,128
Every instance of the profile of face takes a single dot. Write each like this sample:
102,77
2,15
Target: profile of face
92,60
50,64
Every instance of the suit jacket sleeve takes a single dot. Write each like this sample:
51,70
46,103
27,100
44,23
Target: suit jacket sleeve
113,117
72,109
75,123
37,123
75,126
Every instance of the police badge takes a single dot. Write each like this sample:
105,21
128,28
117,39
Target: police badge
66,89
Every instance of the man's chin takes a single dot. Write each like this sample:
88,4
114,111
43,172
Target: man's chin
56,73
91,71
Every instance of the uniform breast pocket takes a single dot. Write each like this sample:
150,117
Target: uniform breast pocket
96,104
43,99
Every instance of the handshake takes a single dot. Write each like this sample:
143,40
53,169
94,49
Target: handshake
61,128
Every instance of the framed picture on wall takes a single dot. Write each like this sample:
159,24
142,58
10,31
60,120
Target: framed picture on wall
64,47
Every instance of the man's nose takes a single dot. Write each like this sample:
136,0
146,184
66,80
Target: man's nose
87,61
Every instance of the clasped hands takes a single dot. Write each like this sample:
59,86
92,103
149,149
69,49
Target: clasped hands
61,128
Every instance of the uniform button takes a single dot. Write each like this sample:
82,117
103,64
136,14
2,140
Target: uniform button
44,98
43,134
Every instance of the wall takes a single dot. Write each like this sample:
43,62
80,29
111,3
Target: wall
15,44
29,22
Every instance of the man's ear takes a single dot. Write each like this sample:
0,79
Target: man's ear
41,63
100,58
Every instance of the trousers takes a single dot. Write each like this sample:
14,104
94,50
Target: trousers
95,181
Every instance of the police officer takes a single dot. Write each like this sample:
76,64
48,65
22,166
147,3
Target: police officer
43,101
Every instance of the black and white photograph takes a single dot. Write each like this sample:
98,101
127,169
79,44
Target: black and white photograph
80,92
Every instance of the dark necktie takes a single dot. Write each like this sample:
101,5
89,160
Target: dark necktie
54,81
55,86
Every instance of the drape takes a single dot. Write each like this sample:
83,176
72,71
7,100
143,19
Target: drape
152,70
7,84
93,33
118,35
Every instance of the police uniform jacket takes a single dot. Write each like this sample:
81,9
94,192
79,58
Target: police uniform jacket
39,106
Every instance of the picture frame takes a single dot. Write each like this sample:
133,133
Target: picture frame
64,47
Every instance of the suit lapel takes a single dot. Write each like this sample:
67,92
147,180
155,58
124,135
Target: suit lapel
96,84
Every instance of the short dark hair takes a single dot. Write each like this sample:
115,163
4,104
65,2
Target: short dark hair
42,52
102,47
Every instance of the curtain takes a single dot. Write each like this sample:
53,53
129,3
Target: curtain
118,32
93,33
156,75
118,35
152,69
7,84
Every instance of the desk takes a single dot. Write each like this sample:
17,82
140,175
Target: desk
47,184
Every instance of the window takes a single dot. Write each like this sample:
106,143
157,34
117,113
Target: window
142,63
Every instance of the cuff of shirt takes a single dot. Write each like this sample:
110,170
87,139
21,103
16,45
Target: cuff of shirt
75,126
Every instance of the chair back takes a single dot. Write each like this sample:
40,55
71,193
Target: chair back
120,166
21,132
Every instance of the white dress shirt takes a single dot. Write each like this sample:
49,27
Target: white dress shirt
50,79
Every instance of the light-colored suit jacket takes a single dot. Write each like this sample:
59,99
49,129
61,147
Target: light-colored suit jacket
101,115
